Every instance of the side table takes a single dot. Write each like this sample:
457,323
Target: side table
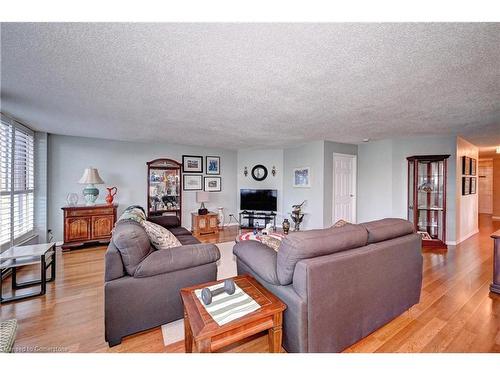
204,224
204,335
17,256
495,285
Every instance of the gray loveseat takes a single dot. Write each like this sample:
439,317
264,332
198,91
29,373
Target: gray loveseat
142,285
340,284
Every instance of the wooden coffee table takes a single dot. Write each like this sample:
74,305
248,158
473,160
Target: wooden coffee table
204,335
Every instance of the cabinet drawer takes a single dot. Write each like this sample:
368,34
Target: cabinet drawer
90,212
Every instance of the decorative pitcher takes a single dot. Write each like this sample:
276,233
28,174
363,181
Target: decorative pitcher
111,194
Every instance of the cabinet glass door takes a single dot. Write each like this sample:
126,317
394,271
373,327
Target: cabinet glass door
427,196
164,188
430,198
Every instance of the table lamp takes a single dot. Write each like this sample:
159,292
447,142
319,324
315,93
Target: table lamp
90,178
202,197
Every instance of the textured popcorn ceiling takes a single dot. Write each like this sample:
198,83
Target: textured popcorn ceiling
247,85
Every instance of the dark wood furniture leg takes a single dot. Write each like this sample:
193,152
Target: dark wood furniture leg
275,334
188,334
495,285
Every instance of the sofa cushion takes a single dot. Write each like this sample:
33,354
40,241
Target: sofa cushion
386,229
168,222
132,241
135,213
260,258
160,237
272,242
313,243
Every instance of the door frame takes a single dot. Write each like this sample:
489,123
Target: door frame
354,184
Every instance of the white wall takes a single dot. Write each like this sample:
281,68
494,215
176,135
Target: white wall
268,158
466,205
374,181
123,164
307,155
379,187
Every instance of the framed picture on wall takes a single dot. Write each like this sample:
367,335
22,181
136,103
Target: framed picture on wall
213,184
473,185
473,166
192,182
212,165
465,185
465,165
192,164
302,177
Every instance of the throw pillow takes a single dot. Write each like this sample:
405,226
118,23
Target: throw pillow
340,223
273,242
161,238
133,213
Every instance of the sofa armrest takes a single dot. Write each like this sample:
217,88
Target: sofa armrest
260,258
177,258
113,263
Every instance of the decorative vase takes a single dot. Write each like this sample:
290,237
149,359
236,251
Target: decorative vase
90,192
111,194
72,199
220,215
286,226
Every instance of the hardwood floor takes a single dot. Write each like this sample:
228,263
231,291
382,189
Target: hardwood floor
456,313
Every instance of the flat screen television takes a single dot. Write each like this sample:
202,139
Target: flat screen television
258,199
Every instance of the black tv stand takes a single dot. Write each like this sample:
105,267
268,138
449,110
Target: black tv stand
250,216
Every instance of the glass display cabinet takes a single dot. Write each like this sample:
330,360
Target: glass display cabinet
164,188
427,197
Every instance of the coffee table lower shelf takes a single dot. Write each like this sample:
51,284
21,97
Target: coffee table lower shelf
204,335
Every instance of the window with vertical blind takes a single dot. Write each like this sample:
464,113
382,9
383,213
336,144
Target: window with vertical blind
17,182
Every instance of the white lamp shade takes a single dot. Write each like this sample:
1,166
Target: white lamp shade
91,176
202,196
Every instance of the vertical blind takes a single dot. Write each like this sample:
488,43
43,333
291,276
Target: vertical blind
17,182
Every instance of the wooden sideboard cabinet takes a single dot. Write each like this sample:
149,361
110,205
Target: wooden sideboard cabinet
85,225
204,224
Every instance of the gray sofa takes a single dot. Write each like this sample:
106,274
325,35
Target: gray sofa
141,288
340,284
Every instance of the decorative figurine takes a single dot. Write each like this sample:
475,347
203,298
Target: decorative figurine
72,199
297,215
286,226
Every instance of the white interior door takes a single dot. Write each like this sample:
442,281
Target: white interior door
344,188
485,187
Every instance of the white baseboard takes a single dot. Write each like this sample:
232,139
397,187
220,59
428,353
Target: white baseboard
467,236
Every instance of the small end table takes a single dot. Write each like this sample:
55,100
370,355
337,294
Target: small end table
204,335
17,256
495,284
